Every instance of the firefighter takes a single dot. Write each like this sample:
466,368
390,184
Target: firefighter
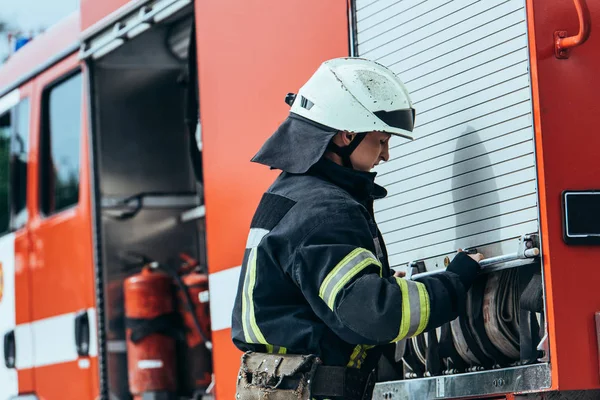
317,300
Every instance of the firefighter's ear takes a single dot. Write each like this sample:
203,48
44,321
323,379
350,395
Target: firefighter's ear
343,138
348,137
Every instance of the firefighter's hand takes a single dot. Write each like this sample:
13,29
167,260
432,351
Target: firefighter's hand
477,257
466,267
399,274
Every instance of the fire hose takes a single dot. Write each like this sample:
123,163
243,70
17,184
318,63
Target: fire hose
499,328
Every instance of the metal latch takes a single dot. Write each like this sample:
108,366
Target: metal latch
82,333
544,347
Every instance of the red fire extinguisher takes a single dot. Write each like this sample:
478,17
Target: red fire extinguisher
151,329
195,309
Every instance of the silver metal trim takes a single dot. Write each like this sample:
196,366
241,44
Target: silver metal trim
8,101
102,373
487,270
151,201
25,397
525,255
544,347
112,17
116,346
126,26
492,264
194,213
41,68
171,10
352,28
509,380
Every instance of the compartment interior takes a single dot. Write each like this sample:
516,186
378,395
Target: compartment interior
150,201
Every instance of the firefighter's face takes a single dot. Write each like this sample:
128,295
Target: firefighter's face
371,151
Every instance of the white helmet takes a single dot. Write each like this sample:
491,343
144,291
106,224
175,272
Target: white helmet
345,94
356,95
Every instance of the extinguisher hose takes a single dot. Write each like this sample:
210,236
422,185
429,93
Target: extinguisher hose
166,324
189,305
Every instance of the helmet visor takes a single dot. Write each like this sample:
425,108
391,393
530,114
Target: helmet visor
401,119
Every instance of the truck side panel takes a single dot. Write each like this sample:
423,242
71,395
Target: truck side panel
52,45
93,11
565,96
250,56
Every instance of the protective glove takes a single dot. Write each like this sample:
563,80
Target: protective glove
466,267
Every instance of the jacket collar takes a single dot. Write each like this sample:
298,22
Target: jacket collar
359,184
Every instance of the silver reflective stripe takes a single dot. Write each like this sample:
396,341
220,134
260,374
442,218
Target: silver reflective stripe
415,307
378,248
252,332
343,272
255,236
247,302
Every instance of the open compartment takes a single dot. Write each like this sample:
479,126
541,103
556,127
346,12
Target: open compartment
149,194
469,181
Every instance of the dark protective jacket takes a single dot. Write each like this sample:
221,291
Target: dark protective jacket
315,277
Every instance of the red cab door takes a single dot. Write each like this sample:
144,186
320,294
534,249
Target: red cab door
62,278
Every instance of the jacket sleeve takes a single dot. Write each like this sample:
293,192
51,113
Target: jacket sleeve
343,281
447,290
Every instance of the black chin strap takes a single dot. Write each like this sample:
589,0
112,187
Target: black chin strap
344,152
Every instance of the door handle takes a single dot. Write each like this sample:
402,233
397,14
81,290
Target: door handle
562,43
10,350
82,333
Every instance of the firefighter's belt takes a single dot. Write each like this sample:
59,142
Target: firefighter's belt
299,377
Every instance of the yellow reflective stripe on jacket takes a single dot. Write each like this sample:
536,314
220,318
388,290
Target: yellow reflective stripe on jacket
424,308
344,271
415,308
251,331
272,349
358,356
